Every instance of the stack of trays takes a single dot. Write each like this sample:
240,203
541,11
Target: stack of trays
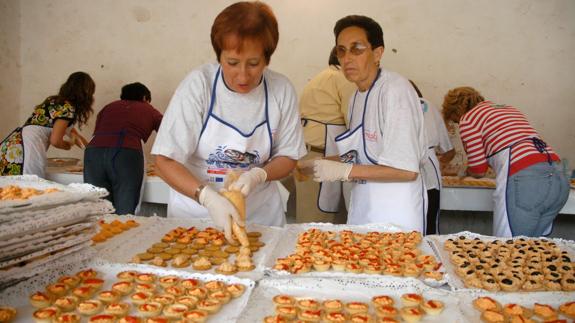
43,223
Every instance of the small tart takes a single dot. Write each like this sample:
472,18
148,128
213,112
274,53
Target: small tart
188,300
158,319
66,318
66,303
435,275
181,261
360,318
287,311
87,273
175,311
202,263
387,319
145,278
189,283
199,292
130,319
109,296
164,299
485,303
432,307
123,287
309,315
227,268
103,318
150,309
117,309
209,305
140,297
128,275
175,290
544,311
512,309
168,281
141,287
411,299
195,316
568,309
57,289
382,300
492,316
333,317
46,314
40,300
308,304
321,265
520,319
95,283
70,281
356,307
7,314
89,307
411,314
245,264
509,284
214,285
332,305
236,289
386,311
159,261
353,268
283,300
221,296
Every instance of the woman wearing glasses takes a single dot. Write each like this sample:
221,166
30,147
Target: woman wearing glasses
233,115
383,149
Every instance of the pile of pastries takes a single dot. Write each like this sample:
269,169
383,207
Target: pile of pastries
379,253
133,297
115,227
411,308
456,181
493,311
511,265
201,249
16,192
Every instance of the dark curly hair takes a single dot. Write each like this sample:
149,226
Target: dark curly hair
78,90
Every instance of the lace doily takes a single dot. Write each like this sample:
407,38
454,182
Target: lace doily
346,290
66,194
133,242
17,296
453,279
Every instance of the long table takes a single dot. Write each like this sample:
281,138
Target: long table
452,198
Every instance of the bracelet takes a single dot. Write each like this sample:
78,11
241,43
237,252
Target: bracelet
199,191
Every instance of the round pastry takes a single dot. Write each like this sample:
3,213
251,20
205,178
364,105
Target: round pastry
7,314
145,278
432,307
202,263
490,284
87,273
189,283
275,319
199,292
164,299
130,319
544,311
520,319
485,303
139,298
411,270
175,311
387,319
435,275
209,305
353,268
339,264
117,309
360,318
46,314
214,285
411,299
386,311
175,290
372,269
128,275
283,300
181,261
189,301
335,317
307,304
66,318
150,309
245,264
382,300
226,268
332,305
148,288
168,281
158,319
57,290
356,307
109,296
236,290
195,316
310,315
568,309
89,307
568,283
70,281
95,283
492,316
512,309
411,314
553,285
221,296
40,300
103,318
66,303
123,287
287,311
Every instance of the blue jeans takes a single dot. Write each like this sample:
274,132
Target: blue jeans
535,195
118,170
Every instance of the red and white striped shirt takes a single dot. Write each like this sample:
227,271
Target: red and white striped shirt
488,128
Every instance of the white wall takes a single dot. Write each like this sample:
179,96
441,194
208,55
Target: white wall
518,52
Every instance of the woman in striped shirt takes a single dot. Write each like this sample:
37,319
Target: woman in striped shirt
531,185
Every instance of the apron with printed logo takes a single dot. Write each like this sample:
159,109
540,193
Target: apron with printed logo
400,203
223,148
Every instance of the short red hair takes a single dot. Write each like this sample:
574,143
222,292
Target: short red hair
246,20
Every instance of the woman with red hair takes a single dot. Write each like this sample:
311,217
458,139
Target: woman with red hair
233,115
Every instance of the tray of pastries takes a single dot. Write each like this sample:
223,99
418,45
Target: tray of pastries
195,246
456,181
507,265
127,293
346,299
366,250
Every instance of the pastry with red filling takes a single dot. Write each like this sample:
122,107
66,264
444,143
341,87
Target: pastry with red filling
46,314
432,307
89,307
40,300
117,309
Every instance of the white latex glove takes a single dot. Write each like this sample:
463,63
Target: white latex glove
330,171
248,180
221,210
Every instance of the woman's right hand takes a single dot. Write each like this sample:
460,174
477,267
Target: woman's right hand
221,210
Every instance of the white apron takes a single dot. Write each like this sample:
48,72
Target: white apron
223,148
402,204
499,162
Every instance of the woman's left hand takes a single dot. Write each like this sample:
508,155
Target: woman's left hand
248,180
331,171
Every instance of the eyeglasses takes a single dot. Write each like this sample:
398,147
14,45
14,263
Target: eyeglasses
356,49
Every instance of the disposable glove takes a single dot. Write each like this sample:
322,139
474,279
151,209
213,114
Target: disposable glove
221,210
330,171
248,180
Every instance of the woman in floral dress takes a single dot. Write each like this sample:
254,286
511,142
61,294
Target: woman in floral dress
24,150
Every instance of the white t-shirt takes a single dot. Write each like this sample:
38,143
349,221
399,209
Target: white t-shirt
437,140
393,127
181,126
